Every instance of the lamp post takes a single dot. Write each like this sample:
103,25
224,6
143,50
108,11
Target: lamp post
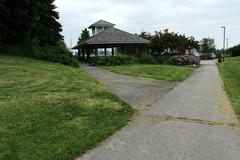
227,42
224,38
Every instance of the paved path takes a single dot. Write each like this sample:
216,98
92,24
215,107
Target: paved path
140,93
194,121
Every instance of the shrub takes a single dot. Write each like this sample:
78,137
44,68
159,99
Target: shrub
119,59
219,54
147,59
188,59
163,59
206,57
58,53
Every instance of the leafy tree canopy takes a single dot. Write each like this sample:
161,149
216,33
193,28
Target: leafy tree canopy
165,42
207,46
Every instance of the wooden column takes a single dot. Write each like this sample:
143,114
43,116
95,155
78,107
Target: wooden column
112,51
79,54
96,51
88,53
122,49
105,51
83,53
137,49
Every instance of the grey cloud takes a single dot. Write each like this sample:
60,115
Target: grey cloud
201,18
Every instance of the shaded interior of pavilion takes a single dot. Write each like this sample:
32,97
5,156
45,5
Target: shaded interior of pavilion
86,52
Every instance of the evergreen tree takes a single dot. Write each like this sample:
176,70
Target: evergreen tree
13,18
28,20
3,15
49,28
84,35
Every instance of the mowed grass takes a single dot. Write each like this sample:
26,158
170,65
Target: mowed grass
50,111
230,72
160,72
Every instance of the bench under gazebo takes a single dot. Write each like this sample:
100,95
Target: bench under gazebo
105,36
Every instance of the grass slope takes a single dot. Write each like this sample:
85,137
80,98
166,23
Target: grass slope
52,111
230,72
161,72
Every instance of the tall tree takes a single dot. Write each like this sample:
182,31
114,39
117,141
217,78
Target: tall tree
49,28
207,46
29,20
172,43
3,15
146,35
84,35
16,19
193,44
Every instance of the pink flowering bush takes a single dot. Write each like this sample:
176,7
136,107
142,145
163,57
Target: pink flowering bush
188,59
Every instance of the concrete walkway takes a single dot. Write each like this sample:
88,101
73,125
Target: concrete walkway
194,121
140,93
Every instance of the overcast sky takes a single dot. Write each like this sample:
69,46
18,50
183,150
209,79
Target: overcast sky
198,18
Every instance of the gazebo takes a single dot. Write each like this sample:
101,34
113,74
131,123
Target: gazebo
106,36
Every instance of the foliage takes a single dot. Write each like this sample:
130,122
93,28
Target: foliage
188,59
51,111
170,43
28,21
230,72
146,35
207,46
234,51
30,28
58,53
219,53
163,59
84,35
160,72
48,27
146,58
206,57
119,59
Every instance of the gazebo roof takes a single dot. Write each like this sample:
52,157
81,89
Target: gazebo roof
101,23
113,36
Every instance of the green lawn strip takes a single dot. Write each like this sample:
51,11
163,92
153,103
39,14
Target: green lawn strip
230,72
52,111
160,72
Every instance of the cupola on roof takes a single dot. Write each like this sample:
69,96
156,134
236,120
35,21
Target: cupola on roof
101,23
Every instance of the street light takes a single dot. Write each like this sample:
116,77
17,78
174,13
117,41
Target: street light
224,38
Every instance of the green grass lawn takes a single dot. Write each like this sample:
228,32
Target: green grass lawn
230,72
51,111
160,72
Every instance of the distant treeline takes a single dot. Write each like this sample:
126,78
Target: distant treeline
234,51
30,28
